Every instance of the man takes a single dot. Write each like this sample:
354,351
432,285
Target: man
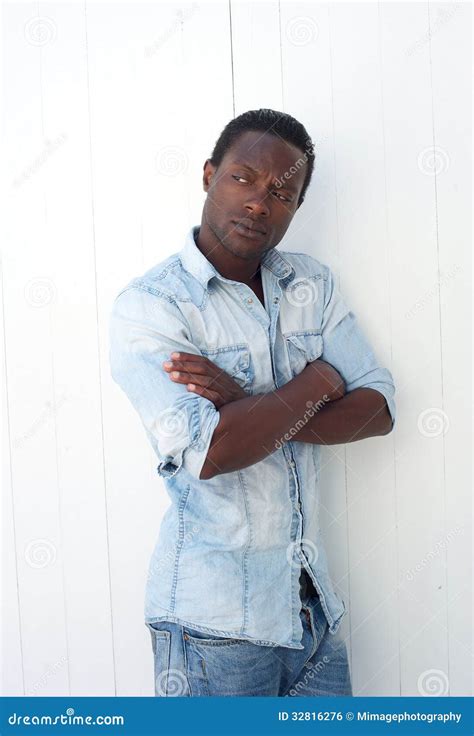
241,362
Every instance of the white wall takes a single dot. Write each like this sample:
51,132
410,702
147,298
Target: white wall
111,110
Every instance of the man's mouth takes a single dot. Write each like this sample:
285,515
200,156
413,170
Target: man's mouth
248,229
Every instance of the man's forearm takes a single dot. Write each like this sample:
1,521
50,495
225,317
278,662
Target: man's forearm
359,414
249,429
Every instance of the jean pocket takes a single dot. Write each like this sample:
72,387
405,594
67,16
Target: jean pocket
235,361
200,638
303,348
168,682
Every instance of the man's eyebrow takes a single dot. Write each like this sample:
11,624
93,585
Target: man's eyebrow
245,165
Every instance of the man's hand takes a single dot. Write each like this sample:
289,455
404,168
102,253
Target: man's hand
203,377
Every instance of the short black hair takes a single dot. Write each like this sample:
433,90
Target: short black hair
268,121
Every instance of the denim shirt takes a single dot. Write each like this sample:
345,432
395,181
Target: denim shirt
230,549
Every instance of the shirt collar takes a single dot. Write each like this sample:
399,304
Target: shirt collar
197,264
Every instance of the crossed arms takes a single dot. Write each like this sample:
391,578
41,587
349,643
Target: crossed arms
218,428
251,427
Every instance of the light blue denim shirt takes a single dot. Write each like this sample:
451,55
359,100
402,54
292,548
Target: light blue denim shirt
230,549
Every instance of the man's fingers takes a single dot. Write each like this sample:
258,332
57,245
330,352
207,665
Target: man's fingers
206,393
191,377
185,365
181,355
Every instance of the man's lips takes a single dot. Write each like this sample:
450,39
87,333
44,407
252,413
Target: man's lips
249,229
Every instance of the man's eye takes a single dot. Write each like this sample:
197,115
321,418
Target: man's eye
281,196
236,176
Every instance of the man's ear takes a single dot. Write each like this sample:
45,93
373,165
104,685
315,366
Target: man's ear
208,172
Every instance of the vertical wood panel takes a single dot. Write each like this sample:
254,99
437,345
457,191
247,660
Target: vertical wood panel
411,221
364,280
450,47
30,293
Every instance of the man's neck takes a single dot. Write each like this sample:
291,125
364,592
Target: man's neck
230,266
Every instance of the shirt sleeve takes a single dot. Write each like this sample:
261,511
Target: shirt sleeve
145,329
345,347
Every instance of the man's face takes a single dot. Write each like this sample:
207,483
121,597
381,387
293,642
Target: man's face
242,191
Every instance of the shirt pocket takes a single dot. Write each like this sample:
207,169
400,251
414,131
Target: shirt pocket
234,360
303,347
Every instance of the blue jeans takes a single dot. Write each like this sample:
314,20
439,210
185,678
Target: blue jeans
191,663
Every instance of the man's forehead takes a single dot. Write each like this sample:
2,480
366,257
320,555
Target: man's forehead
264,153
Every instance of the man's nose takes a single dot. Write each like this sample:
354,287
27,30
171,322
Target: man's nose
258,204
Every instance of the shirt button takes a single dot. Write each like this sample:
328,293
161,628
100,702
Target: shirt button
276,300
249,300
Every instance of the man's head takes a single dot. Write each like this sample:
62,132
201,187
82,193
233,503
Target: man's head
257,176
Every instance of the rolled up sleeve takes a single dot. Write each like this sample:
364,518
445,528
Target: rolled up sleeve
145,328
346,347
